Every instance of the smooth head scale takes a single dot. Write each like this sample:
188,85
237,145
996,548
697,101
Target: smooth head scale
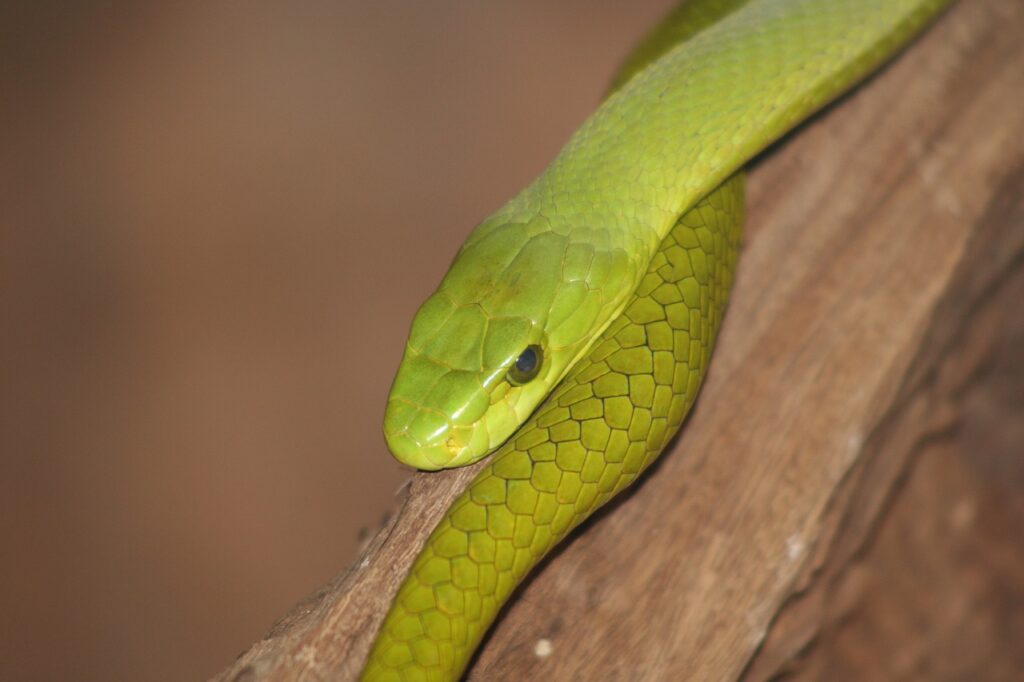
464,384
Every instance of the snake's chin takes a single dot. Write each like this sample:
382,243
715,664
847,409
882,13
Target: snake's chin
444,453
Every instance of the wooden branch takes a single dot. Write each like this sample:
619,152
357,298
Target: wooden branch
880,237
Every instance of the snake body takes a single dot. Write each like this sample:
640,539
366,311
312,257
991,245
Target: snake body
597,294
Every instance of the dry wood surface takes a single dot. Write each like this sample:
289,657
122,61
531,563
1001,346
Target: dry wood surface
847,496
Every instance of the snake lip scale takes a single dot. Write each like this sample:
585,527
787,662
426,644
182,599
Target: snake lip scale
573,330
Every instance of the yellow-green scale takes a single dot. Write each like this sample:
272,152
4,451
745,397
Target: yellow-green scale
603,425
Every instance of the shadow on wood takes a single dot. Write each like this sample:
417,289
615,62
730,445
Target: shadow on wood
846,494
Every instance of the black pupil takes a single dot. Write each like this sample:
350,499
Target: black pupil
527,361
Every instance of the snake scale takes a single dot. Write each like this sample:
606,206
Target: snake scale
574,328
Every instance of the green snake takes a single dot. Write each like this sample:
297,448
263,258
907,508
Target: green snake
573,330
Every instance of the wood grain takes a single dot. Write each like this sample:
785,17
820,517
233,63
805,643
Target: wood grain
871,292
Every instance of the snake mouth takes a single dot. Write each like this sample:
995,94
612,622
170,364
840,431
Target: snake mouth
427,440
411,453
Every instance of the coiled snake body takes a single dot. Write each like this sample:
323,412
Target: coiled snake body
574,328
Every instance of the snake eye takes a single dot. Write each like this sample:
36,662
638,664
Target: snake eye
527,365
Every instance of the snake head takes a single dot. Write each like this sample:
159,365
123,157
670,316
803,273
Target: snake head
518,306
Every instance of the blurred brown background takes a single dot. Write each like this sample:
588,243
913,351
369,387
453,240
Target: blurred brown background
216,220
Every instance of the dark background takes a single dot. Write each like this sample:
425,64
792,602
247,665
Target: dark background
216,221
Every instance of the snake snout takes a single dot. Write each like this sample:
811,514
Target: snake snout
427,439
416,436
